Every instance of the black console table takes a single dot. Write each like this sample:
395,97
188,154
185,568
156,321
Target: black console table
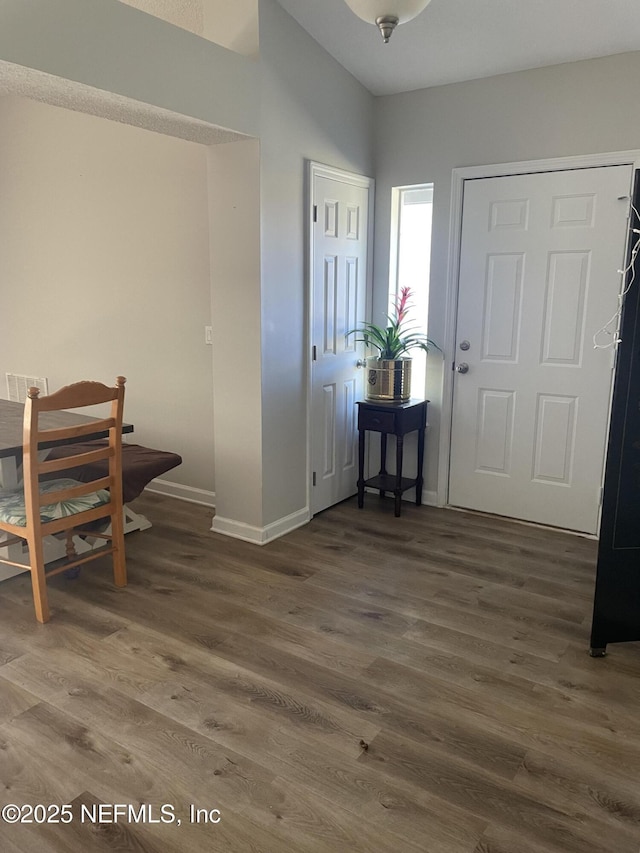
391,419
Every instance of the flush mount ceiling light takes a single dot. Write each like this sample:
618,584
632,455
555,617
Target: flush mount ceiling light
387,14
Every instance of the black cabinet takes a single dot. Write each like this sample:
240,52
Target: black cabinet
395,419
616,610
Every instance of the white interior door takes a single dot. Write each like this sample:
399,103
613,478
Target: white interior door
539,263
339,283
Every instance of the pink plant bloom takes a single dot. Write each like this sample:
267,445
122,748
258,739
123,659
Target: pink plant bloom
402,305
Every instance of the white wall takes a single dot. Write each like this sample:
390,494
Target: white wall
112,47
311,109
302,105
232,25
300,102
234,180
576,108
104,270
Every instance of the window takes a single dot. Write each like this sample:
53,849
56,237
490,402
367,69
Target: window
410,263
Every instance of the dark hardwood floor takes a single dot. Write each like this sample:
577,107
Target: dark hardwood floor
366,683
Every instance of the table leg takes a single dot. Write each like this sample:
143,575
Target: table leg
9,479
398,488
360,468
420,480
383,458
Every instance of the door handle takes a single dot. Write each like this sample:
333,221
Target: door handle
463,367
361,363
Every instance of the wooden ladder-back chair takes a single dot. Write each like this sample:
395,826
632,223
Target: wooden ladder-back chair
55,506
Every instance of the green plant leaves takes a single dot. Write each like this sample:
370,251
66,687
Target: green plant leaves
396,339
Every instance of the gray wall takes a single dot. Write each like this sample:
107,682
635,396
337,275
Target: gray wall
301,105
115,48
311,109
105,270
576,108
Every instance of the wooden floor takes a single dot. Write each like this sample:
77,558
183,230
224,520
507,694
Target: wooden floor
367,683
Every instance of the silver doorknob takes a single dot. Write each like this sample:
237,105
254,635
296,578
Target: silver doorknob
463,367
361,363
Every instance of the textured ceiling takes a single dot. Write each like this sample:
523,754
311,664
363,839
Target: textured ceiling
75,96
187,14
233,25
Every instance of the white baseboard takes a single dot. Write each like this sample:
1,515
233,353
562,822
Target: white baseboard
429,498
182,493
260,535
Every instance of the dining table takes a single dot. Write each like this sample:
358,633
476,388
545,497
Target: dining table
11,446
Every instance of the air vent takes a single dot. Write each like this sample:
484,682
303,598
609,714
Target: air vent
18,385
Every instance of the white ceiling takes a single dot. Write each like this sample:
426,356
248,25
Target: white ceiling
454,40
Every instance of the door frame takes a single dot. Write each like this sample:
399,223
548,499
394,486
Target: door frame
320,170
458,178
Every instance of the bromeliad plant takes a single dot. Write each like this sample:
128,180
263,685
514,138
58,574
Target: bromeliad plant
399,336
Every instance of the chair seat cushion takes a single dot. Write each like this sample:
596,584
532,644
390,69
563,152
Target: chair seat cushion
12,508
140,465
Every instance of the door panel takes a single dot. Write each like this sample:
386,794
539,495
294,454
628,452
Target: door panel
565,303
494,431
555,438
539,277
503,291
339,284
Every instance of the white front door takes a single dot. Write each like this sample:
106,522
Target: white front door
339,282
539,276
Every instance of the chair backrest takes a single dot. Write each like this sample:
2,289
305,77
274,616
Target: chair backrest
43,428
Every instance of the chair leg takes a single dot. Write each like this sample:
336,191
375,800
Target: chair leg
70,548
38,581
70,545
119,563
